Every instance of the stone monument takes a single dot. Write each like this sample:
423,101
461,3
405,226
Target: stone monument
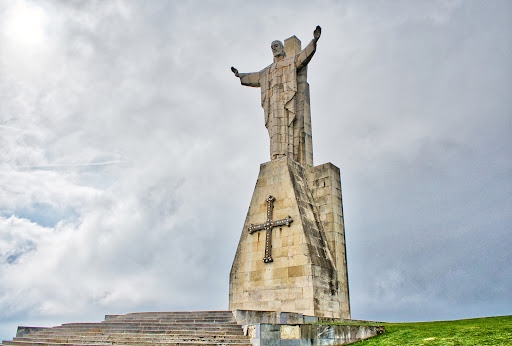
281,284
300,264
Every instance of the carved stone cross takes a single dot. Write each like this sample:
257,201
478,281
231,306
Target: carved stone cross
267,226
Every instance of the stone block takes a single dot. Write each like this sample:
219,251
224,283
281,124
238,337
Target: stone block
325,332
268,296
303,281
281,262
303,262
310,319
308,292
290,332
306,305
256,276
298,260
292,46
279,273
296,271
294,294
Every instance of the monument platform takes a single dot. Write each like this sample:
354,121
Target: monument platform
257,328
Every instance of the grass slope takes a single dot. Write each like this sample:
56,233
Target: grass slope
476,331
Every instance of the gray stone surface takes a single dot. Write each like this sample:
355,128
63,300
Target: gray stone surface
312,334
22,330
325,185
257,317
285,99
307,275
145,328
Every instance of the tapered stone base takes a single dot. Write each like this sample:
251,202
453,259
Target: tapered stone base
308,274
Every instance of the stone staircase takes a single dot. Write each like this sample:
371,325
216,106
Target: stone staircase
143,328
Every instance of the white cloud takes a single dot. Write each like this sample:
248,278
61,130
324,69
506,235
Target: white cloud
129,152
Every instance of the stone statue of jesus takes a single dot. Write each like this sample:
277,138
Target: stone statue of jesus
285,101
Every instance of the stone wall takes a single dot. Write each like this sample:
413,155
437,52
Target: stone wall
310,334
308,272
22,330
325,184
247,317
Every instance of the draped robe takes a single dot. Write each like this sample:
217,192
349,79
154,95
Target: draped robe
283,119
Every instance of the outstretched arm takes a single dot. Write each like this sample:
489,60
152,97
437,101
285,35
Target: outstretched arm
249,79
307,53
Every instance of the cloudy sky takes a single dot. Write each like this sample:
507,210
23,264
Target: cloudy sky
129,151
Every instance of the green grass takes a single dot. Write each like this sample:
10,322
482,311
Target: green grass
476,331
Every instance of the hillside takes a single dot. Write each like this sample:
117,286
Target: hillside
477,331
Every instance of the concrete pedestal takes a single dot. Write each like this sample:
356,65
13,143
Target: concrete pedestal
308,273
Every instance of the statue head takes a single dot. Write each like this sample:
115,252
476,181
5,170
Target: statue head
277,48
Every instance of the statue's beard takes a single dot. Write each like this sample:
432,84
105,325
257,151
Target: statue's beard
279,53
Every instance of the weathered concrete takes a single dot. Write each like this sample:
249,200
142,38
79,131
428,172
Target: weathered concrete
27,330
308,273
247,317
201,327
151,328
311,334
288,328
325,184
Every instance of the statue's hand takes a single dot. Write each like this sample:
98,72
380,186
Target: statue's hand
317,33
235,71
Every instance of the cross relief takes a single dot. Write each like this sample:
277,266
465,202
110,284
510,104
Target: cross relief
267,226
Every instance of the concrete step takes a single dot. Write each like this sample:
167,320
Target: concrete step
175,314
67,331
180,333
146,328
109,323
109,339
173,320
128,337
131,338
48,343
155,326
150,329
125,341
139,334
6,343
145,331
203,312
